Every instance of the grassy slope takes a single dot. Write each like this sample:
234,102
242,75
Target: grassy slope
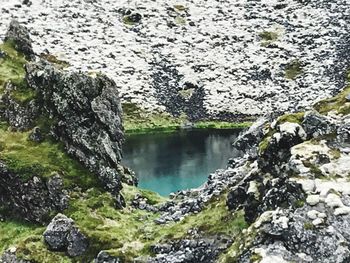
130,232
138,121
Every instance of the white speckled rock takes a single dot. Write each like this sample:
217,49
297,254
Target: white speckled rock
218,47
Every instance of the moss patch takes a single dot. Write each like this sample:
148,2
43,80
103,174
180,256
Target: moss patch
291,117
338,103
293,69
12,70
28,158
221,125
138,121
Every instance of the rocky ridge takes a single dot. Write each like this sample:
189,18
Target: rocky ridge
208,59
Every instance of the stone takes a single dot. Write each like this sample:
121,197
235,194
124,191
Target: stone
316,125
19,36
77,243
10,257
36,135
57,232
104,257
313,199
62,235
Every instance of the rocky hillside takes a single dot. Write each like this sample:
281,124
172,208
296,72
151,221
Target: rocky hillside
202,59
64,197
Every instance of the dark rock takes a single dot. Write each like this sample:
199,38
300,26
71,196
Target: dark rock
248,140
275,193
31,199
62,235
278,149
190,250
88,114
236,197
104,257
134,17
19,35
20,116
316,125
36,135
343,134
27,2
57,232
2,54
77,243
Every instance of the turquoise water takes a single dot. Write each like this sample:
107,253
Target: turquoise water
168,162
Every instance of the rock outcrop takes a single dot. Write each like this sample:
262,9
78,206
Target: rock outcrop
87,117
19,36
62,235
32,199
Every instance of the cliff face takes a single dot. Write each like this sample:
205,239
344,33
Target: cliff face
224,60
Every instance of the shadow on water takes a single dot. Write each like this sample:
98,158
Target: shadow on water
168,162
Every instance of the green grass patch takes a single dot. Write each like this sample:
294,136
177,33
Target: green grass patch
137,121
28,158
13,232
130,233
269,36
291,117
293,69
338,103
12,70
221,125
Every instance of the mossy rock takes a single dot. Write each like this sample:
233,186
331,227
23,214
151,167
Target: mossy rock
293,69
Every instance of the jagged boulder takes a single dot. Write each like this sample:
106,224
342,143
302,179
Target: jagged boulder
264,194
316,125
32,200
279,145
62,235
19,36
247,141
87,114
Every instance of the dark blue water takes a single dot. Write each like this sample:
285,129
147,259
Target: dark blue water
168,162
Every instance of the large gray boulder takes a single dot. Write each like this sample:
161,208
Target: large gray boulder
62,235
87,118
19,36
